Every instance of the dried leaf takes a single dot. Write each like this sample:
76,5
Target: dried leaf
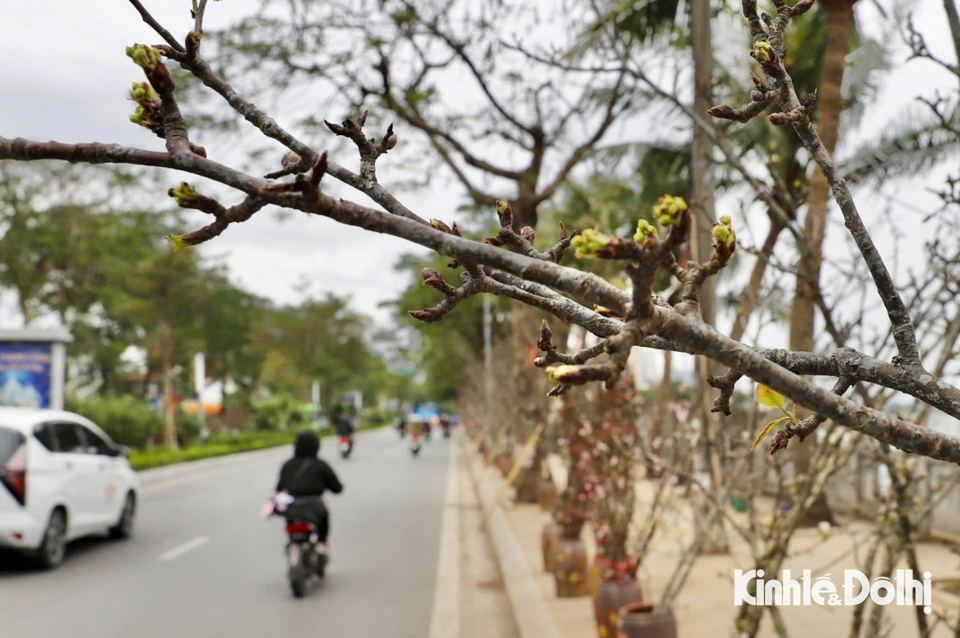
766,430
768,397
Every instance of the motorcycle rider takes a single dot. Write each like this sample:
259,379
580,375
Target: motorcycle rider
306,477
342,421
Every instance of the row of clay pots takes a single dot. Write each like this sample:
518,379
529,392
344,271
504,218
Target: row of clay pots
546,494
644,621
570,567
528,485
620,612
548,540
504,463
618,605
609,598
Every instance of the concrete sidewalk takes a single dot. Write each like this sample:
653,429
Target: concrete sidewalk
705,607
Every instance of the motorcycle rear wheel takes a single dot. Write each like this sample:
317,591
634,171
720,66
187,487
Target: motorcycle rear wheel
321,566
298,586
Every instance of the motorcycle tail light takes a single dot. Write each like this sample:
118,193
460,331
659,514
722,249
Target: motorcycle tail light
298,528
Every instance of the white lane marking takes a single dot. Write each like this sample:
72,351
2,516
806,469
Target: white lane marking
445,619
180,550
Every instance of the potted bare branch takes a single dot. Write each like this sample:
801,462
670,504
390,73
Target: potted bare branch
573,510
570,557
612,461
546,490
548,541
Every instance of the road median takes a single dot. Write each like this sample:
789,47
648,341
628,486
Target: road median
158,465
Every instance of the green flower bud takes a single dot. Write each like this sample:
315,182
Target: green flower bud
144,56
176,242
138,92
723,234
763,52
143,117
504,213
588,243
182,193
644,230
142,92
669,209
557,373
289,159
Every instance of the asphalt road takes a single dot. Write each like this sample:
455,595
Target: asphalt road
202,563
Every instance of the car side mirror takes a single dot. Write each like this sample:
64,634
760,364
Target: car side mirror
118,450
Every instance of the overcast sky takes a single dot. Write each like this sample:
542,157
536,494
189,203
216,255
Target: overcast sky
65,77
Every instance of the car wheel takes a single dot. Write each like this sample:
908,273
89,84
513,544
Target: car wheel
124,527
54,546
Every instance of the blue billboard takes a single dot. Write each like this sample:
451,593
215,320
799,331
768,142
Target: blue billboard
25,374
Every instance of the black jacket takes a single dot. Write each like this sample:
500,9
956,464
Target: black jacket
308,477
305,474
344,426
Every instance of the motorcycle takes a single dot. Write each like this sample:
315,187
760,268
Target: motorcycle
346,446
415,439
445,426
305,564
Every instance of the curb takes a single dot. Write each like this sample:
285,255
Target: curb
445,618
530,611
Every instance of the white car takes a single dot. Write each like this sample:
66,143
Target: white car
61,477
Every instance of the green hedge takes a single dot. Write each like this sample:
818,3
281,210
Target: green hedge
375,417
278,413
218,445
127,420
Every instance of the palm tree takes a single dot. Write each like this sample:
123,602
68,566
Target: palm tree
840,29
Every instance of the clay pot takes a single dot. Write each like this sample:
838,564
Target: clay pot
527,485
610,597
546,494
505,463
571,526
570,567
642,621
548,540
593,579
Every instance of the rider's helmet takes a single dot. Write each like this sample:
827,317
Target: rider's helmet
307,445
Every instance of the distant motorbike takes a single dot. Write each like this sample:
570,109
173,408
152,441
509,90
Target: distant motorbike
445,426
305,564
415,430
346,446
